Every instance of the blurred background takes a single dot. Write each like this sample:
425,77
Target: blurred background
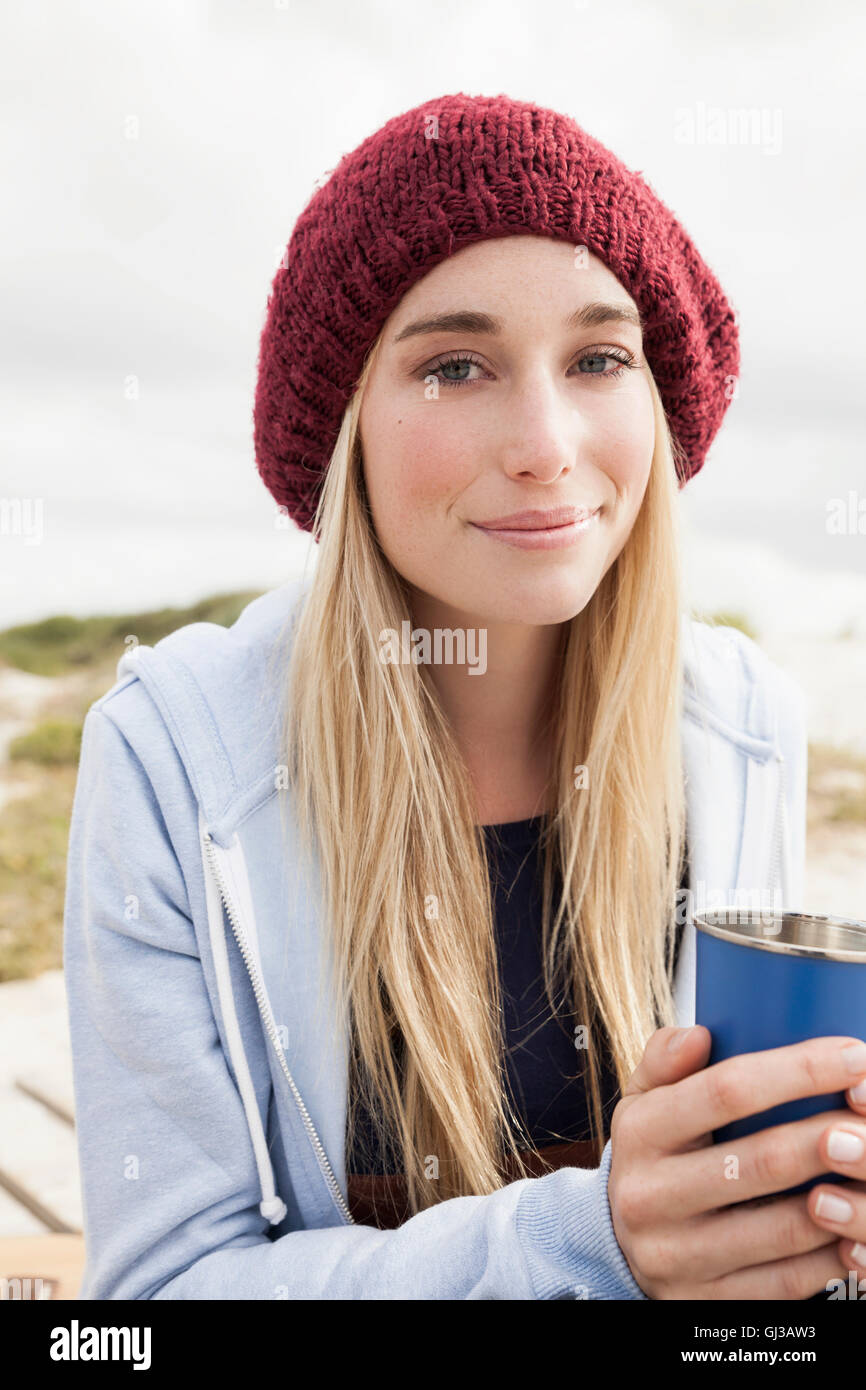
154,159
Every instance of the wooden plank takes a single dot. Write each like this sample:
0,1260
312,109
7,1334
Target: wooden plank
39,1161
31,1202
52,1091
18,1220
39,1179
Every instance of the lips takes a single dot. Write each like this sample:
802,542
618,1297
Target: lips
558,529
538,520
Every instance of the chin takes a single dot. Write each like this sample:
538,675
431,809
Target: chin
539,605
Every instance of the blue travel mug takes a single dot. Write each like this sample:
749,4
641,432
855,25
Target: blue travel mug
768,979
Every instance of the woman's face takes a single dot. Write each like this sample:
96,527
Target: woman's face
534,398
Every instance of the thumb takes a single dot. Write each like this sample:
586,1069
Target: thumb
670,1054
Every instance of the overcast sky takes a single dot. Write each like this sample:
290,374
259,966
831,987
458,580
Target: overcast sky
155,157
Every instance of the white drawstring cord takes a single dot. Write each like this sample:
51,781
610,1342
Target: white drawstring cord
272,1207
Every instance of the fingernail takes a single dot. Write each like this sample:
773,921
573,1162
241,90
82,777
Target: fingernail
855,1056
833,1208
858,1255
678,1038
844,1145
858,1093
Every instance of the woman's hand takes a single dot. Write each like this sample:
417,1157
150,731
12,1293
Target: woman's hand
695,1219
841,1156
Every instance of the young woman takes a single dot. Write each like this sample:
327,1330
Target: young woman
375,942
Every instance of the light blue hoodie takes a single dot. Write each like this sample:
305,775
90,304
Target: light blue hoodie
211,1079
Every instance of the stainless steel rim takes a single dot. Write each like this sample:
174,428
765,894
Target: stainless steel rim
788,933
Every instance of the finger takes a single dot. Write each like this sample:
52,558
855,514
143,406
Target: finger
853,1256
843,1146
856,1098
670,1054
801,1276
841,1210
724,1175
724,1242
754,1082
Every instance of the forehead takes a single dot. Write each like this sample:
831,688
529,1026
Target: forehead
506,275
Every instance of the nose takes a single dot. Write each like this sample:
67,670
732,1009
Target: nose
541,434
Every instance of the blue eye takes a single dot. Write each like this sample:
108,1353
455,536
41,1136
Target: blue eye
457,360
624,360
600,358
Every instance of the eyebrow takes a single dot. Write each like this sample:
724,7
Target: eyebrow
474,321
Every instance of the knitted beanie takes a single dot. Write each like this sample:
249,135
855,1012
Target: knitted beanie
455,170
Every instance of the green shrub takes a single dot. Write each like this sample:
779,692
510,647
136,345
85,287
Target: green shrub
60,644
54,742
34,833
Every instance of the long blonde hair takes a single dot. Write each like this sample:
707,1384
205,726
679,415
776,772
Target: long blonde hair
382,798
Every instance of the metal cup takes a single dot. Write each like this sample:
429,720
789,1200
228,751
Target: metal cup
768,979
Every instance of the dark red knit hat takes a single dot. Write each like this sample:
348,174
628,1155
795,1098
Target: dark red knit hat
456,170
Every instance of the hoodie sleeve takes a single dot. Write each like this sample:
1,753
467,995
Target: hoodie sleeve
169,1180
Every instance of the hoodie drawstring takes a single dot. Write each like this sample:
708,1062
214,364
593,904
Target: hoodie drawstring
272,1207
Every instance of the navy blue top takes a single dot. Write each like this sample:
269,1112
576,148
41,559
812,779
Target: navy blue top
544,1067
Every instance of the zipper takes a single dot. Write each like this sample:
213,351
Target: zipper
270,1026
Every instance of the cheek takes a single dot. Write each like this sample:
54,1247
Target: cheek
629,436
418,464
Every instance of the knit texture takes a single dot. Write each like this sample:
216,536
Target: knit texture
452,171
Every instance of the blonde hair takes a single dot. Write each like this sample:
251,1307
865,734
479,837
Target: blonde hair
384,803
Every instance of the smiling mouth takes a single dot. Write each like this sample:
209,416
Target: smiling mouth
533,531
550,520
